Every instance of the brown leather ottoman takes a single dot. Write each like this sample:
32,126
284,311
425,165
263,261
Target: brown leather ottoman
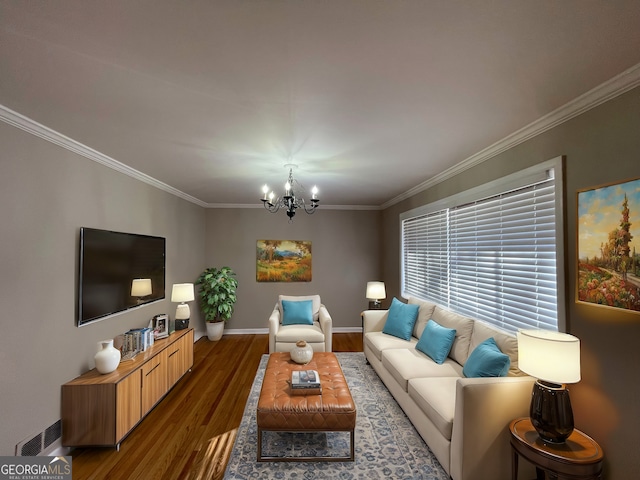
331,411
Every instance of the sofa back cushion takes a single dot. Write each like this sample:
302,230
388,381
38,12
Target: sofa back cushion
315,303
463,327
506,343
425,312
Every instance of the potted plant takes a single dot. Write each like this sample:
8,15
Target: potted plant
217,297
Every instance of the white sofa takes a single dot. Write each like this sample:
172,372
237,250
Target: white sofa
464,421
282,338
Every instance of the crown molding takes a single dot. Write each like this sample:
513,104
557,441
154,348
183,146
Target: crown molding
31,126
610,89
321,207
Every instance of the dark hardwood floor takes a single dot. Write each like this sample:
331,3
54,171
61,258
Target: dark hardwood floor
190,433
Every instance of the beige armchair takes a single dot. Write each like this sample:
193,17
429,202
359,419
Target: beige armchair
282,338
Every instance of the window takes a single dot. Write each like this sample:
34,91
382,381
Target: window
492,253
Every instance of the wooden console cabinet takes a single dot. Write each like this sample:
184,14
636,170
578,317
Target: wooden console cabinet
100,410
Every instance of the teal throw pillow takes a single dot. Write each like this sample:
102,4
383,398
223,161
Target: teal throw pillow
436,341
297,313
400,319
487,360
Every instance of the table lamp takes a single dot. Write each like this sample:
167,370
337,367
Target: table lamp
553,358
182,292
375,292
141,287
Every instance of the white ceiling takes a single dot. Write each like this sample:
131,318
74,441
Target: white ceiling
370,98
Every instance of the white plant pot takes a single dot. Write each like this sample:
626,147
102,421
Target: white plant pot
214,330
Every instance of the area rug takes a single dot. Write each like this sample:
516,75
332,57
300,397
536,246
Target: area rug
387,445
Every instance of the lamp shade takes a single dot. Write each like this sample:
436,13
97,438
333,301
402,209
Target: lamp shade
141,287
375,291
182,292
549,356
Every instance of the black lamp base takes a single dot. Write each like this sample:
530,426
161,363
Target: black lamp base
181,324
551,412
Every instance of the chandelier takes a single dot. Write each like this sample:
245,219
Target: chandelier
292,198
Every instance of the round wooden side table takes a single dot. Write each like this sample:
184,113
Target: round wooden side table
580,457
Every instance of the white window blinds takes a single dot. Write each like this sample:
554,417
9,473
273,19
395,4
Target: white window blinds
493,259
426,256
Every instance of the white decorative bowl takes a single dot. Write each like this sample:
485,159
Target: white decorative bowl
302,353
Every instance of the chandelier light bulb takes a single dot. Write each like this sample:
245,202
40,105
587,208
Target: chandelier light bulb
287,187
271,195
265,190
314,192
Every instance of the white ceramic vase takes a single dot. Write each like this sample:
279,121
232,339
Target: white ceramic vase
108,357
302,353
215,330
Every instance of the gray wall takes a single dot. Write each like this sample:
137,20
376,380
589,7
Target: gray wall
47,193
345,247
601,146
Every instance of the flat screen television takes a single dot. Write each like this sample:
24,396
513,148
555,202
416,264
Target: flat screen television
109,262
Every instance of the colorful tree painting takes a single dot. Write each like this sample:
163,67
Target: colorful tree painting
283,261
608,262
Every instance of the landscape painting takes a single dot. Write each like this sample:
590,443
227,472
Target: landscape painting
283,261
609,246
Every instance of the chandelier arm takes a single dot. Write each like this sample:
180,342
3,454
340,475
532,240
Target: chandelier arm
271,207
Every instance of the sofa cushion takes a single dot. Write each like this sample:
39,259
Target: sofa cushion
436,397
293,333
425,312
405,364
436,341
315,299
378,342
297,312
506,342
486,360
401,319
464,329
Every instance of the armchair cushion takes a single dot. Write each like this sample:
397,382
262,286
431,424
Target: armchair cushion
297,313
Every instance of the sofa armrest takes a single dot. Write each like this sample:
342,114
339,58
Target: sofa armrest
373,320
326,324
484,407
274,325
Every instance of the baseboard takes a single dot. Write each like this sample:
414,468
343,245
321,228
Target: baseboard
347,330
265,331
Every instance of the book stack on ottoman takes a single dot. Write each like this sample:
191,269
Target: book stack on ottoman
305,382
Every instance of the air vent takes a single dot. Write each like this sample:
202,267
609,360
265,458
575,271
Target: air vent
31,447
36,445
52,433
